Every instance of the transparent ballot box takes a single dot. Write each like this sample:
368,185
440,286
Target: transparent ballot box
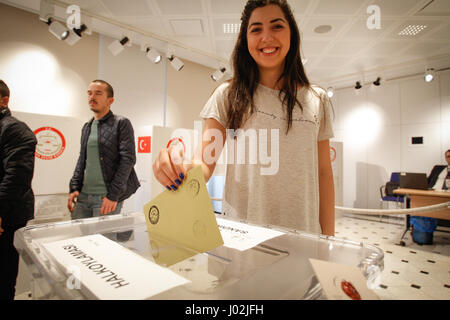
278,268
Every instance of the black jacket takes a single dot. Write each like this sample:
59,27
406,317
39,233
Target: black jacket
17,148
117,157
434,175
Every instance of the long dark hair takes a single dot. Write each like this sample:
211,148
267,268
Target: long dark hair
242,86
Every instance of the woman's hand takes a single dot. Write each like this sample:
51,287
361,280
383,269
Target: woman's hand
169,168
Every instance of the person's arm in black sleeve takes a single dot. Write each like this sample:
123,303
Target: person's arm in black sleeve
127,160
18,149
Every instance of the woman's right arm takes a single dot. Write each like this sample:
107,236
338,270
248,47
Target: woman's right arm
170,167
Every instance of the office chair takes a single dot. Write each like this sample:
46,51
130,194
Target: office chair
386,191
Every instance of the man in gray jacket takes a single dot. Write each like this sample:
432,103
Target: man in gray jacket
104,175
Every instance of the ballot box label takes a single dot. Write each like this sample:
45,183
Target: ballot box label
111,271
242,236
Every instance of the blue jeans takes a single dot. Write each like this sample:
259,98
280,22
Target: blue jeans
89,205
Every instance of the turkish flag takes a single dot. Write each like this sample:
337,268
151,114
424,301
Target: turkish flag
144,144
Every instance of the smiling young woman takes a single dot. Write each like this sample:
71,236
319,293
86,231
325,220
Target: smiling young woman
269,92
268,41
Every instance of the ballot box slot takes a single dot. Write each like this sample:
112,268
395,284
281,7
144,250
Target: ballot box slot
273,249
265,251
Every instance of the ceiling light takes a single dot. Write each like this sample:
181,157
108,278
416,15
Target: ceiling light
75,35
176,63
153,55
323,28
116,46
412,30
216,76
358,85
377,82
57,29
232,28
330,92
429,75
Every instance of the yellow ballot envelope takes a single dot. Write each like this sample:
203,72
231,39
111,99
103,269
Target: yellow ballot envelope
184,217
167,254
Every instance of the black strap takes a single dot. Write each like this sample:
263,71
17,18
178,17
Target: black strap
3,112
444,185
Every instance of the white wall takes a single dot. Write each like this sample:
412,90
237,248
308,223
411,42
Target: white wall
45,76
188,91
139,93
376,125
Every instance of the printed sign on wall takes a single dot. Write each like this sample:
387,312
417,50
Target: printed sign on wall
50,143
332,154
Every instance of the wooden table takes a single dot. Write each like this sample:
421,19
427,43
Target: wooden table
421,198
416,198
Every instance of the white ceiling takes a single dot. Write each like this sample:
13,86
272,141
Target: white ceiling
350,50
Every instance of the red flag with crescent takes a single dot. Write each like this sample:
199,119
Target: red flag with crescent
144,144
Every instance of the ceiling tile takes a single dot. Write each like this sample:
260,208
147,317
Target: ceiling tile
336,24
224,48
436,8
388,48
332,62
312,48
299,6
341,7
346,48
396,8
151,25
359,30
90,6
441,33
316,74
200,43
187,27
369,62
424,49
132,8
180,7
219,7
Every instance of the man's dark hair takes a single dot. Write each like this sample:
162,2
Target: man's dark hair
447,152
4,90
109,88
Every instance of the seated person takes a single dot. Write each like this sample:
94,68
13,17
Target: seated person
439,173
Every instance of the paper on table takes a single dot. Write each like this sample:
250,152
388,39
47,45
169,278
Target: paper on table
241,236
185,217
110,271
342,282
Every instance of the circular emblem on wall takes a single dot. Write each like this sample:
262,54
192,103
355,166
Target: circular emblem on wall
50,143
175,141
153,215
332,154
193,187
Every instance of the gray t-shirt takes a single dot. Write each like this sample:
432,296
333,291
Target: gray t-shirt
93,177
285,190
